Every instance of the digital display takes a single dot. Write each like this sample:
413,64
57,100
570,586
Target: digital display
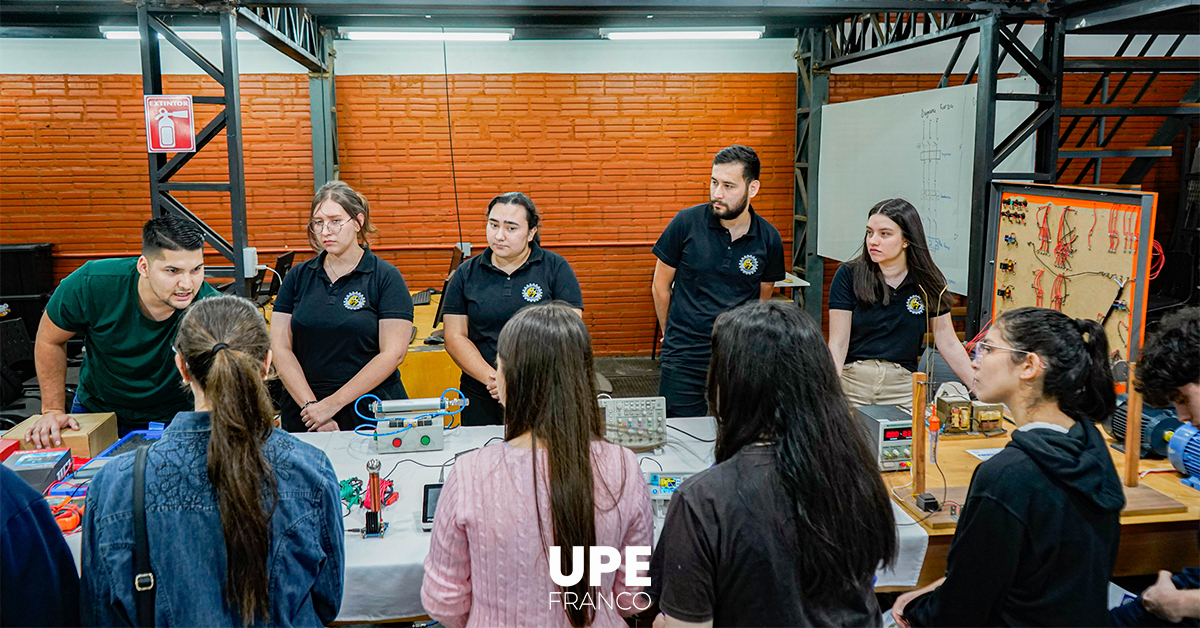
897,434
432,492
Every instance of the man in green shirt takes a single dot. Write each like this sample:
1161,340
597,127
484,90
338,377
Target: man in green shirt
129,310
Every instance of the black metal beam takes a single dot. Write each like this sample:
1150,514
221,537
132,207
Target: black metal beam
250,22
1132,64
1028,127
210,130
981,173
1084,153
184,47
1023,56
1164,136
214,239
906,44
233,150
1125,15
1119,110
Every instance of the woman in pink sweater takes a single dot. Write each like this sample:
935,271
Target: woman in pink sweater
553,482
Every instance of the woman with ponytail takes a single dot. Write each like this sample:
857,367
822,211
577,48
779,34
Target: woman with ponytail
243,520
554,484
1037,539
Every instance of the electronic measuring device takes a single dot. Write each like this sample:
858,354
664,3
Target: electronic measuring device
409,425
889,430
662,485
639,423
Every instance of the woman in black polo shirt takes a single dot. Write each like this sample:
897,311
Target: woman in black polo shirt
342,321
486,290
880,305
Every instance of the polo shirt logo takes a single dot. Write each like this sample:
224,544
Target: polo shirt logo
748,264
354,301
532,292
915,305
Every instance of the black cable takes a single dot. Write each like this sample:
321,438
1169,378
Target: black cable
660,467
450,132
419,464
692,436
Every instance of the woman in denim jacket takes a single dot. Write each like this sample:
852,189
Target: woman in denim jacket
243,520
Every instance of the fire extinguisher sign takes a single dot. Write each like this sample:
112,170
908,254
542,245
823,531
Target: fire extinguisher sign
169,124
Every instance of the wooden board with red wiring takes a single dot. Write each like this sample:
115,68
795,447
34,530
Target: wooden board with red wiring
1079,255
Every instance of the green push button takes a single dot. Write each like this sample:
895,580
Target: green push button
424,440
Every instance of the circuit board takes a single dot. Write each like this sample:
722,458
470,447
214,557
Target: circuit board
1078,254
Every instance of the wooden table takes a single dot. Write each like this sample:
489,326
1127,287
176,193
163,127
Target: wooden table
1148,542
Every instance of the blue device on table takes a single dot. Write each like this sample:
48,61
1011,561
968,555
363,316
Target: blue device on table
75,485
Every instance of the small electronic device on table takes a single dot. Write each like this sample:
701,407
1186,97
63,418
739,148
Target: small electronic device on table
639,423
890,435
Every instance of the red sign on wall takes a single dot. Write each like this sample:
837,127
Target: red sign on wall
169,124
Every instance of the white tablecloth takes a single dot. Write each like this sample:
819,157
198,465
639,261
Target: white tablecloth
383,575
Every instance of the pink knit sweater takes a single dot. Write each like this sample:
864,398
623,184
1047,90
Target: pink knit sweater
486,565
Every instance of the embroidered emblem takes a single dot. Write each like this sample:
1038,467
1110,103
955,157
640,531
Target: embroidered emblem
532,292
915,305
354,301
748,264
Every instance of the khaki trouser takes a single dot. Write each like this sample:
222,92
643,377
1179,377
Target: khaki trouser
877,382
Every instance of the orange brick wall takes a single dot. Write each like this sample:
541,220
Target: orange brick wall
609,158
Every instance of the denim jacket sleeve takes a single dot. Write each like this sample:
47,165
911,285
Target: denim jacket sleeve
327,589
97,606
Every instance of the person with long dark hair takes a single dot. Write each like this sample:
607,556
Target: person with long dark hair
342,321
790,526
243,520
486,290
882,303
553,483
1037,538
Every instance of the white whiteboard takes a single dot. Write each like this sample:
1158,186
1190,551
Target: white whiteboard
919,147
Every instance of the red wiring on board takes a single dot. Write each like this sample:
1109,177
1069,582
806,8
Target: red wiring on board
1095,217
1037,285
1158,259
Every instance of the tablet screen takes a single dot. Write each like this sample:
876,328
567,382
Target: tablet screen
432,491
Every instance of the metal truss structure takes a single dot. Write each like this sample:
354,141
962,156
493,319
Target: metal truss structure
830,33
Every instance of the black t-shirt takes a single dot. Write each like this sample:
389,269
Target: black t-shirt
488,297
728,553
712,275
335,327
894,332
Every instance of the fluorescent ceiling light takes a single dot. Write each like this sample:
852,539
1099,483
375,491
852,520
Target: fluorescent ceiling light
752,32
427,35
184,34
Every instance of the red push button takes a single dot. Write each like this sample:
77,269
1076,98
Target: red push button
396,442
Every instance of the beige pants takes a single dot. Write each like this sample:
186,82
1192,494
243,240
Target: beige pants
877,382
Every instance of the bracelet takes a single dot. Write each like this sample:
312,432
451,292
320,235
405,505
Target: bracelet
307,404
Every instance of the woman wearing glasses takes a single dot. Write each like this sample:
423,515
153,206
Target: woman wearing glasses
342,320
1037,539
882,303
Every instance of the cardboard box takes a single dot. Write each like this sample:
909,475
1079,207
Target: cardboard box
96,433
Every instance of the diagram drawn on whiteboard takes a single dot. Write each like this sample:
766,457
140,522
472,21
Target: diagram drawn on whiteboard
930,154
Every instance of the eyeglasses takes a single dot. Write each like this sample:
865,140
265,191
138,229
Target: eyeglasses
982,348
335,225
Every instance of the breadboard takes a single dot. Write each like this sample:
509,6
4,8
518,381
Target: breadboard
1083,252
639,423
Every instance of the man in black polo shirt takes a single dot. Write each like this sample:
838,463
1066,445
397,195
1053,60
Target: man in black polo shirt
488,289
718,255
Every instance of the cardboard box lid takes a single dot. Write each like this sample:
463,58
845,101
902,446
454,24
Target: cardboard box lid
99,422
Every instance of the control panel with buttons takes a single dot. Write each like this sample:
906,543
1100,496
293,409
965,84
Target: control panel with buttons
425,434
889,430
639,423
662,486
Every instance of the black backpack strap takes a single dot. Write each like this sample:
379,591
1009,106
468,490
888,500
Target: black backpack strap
143,576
